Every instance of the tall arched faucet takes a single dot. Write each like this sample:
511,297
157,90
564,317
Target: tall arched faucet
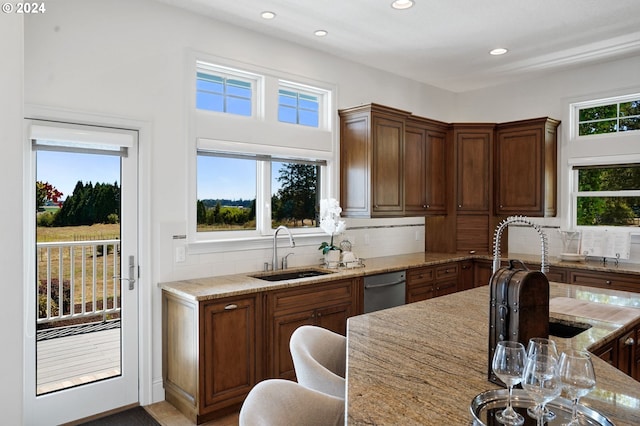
519,219
274,261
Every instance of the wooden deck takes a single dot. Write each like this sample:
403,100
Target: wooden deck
64,362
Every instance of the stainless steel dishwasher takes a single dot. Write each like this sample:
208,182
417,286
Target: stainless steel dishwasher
384,291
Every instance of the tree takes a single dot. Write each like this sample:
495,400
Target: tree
297,196
89,204
47,192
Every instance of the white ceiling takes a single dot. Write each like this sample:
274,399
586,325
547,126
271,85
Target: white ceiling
445,43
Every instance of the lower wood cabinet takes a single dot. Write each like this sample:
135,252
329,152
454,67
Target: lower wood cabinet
210,356
613,281
432,281
624,352
327,305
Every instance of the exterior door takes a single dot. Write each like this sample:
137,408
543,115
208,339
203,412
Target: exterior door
81,345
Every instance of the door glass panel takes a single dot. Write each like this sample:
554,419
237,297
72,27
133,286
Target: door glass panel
78,291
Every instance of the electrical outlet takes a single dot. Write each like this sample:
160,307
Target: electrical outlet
181,254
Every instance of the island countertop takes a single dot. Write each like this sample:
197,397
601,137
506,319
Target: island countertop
423,363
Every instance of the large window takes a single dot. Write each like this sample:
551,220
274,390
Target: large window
604,162
265,149
231,185
608,196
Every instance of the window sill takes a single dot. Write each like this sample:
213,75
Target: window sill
252,243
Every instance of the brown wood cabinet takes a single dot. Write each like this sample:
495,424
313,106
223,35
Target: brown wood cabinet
474,167
432,281
426,154
327,305
210,353
372,161
465,280
526,167
614,281
624,352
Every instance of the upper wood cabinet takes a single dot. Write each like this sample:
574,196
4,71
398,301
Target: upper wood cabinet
526,167
474,161
426,155
372,161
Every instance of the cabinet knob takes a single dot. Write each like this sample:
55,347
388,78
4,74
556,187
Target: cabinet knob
231,307
501,206
629,341
607,282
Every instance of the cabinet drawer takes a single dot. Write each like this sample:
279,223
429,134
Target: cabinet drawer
416,293
447,271
420,275
314,295
625,282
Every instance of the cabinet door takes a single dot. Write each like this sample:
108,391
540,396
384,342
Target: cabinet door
334,318
283,328
526,168
415,176
466,275
355,165
388,176
473,161
446,287
436,161
482,271
228,361
609,354
626,353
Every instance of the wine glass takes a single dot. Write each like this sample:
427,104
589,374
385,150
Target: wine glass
577,376
543,346
508,364
540,380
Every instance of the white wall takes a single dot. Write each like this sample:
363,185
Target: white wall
11,213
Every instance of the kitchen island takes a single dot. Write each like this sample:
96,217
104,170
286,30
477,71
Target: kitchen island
423,363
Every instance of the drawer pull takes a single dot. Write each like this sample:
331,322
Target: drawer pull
231,307
629,341
607,282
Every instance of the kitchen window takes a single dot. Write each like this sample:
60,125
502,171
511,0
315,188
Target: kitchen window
300,105
604,162
226,90
231,187
264,148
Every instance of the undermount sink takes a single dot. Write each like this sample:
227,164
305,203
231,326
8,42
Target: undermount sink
566,329
292,275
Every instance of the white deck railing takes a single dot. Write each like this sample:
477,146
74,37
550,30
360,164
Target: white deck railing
78,279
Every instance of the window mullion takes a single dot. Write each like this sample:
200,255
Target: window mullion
263,199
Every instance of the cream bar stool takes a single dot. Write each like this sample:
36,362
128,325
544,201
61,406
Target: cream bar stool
278,402
319,358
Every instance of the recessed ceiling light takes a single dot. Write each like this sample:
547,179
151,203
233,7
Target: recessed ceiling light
402,4
268,15
498,51
321,33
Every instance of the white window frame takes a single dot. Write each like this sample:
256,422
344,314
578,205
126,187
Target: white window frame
257,83
322,95
259,135
608,149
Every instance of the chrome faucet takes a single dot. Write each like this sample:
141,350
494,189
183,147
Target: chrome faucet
274,261
519,219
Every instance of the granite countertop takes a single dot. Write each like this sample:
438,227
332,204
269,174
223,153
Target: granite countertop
246,283
423,363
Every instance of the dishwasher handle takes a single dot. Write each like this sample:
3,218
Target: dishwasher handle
389,284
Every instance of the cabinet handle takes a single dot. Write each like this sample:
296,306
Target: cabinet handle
465,267
231,307
319,314
607,282
459,206
629,341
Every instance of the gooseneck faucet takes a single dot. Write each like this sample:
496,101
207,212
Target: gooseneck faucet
519,219
274,261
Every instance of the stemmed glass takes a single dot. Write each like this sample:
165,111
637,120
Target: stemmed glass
547,347
578,378
540,380
508,364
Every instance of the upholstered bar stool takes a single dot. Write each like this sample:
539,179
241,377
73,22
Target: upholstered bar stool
319,359
278,402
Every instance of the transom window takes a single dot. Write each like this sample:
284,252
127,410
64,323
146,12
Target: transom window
298,108
620,116
225,90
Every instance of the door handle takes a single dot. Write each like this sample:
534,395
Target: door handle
132,273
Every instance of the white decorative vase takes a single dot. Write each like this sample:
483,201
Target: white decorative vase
332,258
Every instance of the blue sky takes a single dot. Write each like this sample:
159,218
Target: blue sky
63,169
